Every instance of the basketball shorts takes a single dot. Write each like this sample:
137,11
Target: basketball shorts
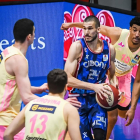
91,116
19,136
124,83
125,86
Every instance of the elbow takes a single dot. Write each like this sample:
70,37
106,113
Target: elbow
7,136
26,100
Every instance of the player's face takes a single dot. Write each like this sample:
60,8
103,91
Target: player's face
90,31
135,34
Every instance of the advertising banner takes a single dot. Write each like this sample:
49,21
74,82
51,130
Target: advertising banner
77,13
46,52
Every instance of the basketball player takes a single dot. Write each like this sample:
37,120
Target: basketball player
49,117
14,81
127,46
88,62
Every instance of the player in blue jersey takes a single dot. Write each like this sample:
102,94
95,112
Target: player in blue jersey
88,62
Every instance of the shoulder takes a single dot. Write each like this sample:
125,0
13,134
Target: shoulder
17,63
68,108
77,44
115,34
125,32
18,60
75,49
118,30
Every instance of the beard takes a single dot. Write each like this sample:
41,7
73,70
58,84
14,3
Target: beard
91,39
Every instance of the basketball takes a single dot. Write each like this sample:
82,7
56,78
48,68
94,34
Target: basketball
112,99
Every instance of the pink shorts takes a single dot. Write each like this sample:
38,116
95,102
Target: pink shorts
125,86
19,136
124,83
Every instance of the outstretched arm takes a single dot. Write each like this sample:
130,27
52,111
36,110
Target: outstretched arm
135,96
66,26
42,88
112,32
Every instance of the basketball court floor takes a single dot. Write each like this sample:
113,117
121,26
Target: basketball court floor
131,132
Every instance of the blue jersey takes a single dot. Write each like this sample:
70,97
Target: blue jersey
92,67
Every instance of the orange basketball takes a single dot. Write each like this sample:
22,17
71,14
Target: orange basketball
112,99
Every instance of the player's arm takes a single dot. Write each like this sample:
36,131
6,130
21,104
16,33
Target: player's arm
73,121
42,88
111,72
112,32
135,96
20,69
70,68
66,26
16,125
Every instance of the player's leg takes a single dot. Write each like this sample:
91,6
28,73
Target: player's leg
112,119
99,134
124,86
85,128
98,120
122,110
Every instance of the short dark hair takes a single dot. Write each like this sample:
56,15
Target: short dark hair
22,28
93,18
135,20
57,80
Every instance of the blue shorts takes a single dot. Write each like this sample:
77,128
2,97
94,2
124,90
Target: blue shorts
91,116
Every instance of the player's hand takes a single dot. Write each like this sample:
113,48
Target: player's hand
65,26
102,90
73,101
120,95
129,116
44,88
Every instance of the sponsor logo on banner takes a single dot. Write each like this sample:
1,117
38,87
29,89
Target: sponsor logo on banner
105,57
39,43
43,108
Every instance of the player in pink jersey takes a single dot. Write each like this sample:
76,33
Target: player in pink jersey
14,82
126,42
49,117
